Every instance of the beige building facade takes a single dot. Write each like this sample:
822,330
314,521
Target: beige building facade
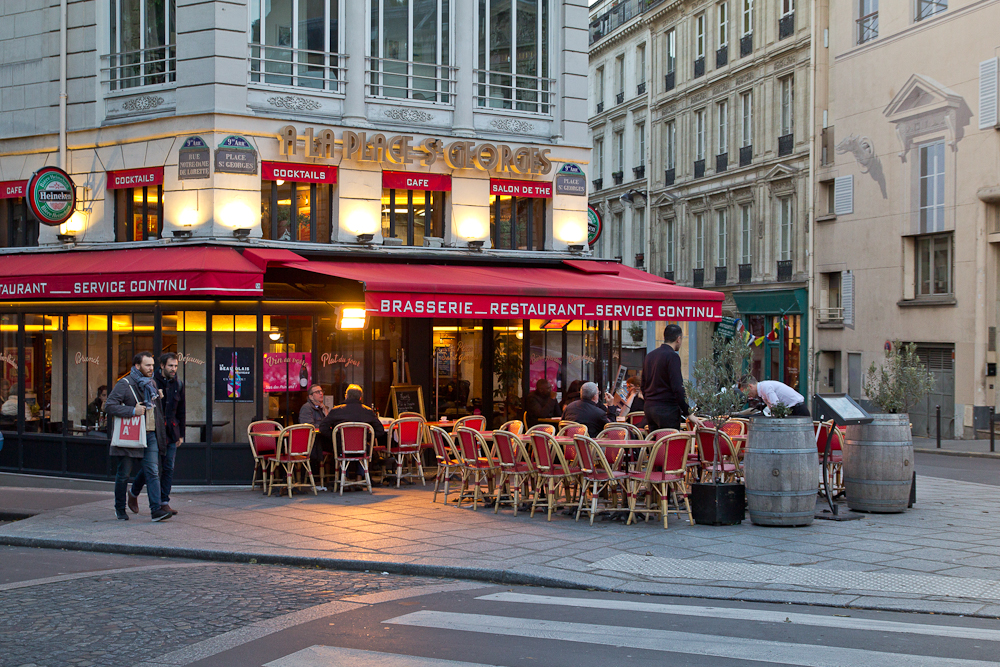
906,193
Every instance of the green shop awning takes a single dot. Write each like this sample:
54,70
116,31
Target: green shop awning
772,302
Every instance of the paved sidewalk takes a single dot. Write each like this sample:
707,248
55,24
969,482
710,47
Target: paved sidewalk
942,556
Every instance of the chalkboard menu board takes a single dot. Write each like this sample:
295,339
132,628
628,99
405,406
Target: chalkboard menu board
406,398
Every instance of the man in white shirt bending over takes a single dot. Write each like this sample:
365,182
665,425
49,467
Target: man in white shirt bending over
773,392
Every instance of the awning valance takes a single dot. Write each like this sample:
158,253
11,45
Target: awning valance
134,273
585,290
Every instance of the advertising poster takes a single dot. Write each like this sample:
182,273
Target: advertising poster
234,379
287,371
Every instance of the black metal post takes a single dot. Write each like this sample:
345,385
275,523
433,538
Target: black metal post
993,414
938,417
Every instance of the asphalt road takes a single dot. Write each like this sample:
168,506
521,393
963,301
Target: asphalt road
122,610
963,468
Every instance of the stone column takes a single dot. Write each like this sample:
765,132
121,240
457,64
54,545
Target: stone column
465,57
357,32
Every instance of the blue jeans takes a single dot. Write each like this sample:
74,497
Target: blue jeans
150,466
167,457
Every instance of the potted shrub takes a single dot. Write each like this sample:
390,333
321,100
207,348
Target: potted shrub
635,330
715,392
878,457
780,469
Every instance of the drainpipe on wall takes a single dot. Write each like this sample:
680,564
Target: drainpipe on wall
63,19
813,353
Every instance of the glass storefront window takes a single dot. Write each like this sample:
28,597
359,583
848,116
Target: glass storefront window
183,333
457,387
40,333
234,377
411,215
87,383
18,227
508,367
296,211
139,213
287,366
792,340
339,361
517,223
10,363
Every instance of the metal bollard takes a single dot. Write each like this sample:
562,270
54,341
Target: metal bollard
938,427
993,414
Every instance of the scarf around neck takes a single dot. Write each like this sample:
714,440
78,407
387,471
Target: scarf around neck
146,384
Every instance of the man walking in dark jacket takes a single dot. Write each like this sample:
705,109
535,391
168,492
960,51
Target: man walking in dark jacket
662,383
136,395
174,420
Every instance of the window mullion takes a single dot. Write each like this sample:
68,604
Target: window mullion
409,58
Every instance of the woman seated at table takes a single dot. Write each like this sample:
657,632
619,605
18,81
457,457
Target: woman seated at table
633,401
95,409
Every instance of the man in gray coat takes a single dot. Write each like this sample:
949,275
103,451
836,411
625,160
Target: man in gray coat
133,395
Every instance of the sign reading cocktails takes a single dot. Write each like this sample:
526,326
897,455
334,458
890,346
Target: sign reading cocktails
51,195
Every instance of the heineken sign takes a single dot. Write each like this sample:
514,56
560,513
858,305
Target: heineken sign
51,195
594,225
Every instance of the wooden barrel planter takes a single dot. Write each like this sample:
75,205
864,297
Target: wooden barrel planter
878,464
781,471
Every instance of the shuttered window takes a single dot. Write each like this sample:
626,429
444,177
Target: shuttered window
847,297
843,195
988,94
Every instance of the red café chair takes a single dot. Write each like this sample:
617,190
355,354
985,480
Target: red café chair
725,459
599,477
475,422
614,431
263,438
665,472
447,459
571,430
514,426
553,470
295,444
515,470
835,464
543,428
636,419
404,437
357,440
478,464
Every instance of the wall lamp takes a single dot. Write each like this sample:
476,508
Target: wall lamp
352,318
476,244
66,238
365,239
629,195
576,248
242,233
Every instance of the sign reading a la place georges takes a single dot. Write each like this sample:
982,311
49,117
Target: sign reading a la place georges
51,195
594,225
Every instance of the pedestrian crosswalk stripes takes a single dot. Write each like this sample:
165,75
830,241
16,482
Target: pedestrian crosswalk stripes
325,656
735,613
669,641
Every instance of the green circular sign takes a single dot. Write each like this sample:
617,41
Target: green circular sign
51,195
594,225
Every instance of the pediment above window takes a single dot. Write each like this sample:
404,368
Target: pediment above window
924,106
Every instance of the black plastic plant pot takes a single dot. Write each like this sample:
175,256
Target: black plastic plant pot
718,504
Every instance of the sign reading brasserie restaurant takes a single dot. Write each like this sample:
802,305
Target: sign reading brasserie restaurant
51,195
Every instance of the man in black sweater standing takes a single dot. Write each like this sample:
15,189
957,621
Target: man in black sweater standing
662,383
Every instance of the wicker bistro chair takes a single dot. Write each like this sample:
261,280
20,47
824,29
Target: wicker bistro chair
543,428
357,440
599,477
515,471
835,464
513,426
634,432
447,460
553,470
263,448
477,463
570,429
405,435
665,472
728,455
295,444
475,422
615,455
410,414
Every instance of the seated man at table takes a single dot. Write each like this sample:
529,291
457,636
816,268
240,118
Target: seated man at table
541,403
352,410
588,411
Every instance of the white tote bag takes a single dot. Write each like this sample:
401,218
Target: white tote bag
129,432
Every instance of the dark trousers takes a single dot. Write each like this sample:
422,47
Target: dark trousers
167,457
150,463
800,410
662,416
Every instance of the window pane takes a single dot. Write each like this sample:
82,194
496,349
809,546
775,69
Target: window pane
40,334
924,266
10,363
87,373
286,193
184,334
942,265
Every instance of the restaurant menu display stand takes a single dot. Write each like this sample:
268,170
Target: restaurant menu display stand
844,411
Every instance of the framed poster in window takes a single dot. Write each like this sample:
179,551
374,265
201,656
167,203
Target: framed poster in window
234,375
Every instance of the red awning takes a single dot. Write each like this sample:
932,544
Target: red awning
584,290
133,273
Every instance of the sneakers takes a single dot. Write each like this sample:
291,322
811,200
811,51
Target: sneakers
132,502
167,508
122,515
161,515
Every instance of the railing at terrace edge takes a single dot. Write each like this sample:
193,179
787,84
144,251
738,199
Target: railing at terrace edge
520,92
146,67
405,79
296,68
619,13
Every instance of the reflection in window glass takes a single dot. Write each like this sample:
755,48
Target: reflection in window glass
296,211
86,374
517,223
139,213
40,331
10,363
412,215
287,366
230,417
508,364
340,361
457,368
184,334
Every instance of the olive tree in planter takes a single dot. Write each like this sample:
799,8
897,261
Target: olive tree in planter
715,391
878,457
780,469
